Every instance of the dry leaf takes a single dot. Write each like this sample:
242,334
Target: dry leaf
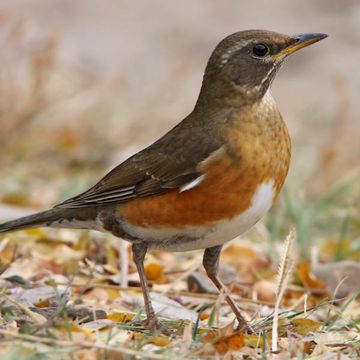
77,328
43,303
113,294
169,308
309,347
98,324
160,341
231,342
155,272
254,341
120,317
265,290
307,277
304,326
43,295
342,278
155,340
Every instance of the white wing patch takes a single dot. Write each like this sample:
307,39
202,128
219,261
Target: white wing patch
192,184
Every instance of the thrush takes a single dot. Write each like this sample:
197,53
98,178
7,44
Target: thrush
210,178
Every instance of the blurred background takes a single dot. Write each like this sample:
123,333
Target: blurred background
85,85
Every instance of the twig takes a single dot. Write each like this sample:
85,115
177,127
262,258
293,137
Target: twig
83,344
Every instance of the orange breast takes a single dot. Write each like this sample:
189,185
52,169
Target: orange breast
222,194
228,187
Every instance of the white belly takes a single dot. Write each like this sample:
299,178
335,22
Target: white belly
193,237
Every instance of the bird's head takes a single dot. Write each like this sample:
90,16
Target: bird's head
245,63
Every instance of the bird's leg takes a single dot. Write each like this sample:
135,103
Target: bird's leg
139,251
211,265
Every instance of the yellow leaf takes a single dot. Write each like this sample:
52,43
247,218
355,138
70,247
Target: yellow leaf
254,341
160,341
120,317
113,294
304,326
155,340
77,328
155,272
43,303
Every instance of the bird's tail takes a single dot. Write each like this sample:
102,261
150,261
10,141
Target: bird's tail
56,217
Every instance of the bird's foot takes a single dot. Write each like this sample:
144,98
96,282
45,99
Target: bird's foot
152,323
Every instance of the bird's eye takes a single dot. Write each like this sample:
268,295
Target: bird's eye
260,50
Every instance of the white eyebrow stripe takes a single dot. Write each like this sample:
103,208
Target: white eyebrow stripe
192,184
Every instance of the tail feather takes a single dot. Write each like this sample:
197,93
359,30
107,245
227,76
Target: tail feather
56,217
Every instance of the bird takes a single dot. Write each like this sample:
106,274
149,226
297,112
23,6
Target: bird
207,180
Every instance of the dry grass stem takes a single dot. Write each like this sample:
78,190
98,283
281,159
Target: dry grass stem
285,268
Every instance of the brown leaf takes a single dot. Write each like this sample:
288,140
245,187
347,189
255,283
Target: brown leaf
43,303
231,342
309,346
304,326
307,278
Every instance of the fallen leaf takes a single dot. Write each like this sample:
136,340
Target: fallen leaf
231,342
43,303
342,278
80,329
304,326
155,340
204,316
307,278
254,341
155,272
338,337
43,295
160,341
120,317
309,347
98,324
7,250
113,294
169,308
265,290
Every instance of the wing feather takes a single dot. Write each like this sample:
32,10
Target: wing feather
169,163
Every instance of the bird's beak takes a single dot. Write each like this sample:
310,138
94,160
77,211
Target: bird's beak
299,42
